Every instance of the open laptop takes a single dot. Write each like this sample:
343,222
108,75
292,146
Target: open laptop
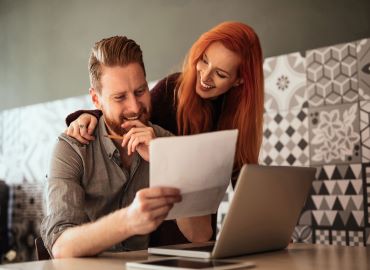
262,215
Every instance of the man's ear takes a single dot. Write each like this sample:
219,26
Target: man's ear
95,97
238,82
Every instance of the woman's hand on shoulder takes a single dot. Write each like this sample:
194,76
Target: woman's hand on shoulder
82,128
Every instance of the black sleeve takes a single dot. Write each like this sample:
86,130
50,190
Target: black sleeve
73,116
163,103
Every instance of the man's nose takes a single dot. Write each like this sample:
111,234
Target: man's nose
133,105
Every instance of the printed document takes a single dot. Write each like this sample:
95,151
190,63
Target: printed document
199,165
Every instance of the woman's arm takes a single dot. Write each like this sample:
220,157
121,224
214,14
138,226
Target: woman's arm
73,116
196,229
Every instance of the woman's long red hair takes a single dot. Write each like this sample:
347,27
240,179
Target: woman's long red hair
243,107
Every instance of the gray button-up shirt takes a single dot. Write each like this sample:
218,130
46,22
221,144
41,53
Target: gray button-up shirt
86,182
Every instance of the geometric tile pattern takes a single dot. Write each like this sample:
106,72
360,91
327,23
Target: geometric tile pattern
356,238
322,237
363,55
332,75
338,202
285,138
224,207
302,234
338,238
366,189
285,82
335,134
365,130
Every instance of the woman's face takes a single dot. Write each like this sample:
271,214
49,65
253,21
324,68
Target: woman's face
217,71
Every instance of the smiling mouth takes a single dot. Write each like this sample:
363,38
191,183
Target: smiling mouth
131,118
205,85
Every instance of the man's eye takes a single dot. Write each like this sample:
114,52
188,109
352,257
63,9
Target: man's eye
139,92
119,98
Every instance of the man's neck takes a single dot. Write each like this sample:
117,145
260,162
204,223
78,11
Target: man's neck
125,158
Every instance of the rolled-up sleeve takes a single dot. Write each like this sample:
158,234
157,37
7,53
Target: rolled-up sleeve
65,196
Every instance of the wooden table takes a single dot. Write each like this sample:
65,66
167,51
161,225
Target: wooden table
296,256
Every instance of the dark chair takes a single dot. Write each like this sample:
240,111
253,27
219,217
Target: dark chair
41,251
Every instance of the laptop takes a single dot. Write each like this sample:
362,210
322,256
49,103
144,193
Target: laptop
262,215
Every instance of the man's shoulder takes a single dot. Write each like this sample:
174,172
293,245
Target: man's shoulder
66,144
70,140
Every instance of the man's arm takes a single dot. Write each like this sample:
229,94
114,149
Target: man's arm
66,230
147,211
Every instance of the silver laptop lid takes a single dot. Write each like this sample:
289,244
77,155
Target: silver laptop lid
264,210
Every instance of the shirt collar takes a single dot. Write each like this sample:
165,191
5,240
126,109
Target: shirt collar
107,142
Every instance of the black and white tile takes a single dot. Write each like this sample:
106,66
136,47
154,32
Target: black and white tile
285,138
285,82
363,56
332,76
335,134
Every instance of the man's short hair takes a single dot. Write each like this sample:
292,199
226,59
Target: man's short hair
111,52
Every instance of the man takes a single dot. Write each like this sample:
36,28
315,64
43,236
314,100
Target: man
98,196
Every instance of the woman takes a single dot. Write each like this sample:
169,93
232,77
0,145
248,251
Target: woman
220,87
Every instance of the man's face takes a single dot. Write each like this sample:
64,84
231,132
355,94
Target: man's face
124,96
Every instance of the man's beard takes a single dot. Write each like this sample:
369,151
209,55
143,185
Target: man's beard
115,126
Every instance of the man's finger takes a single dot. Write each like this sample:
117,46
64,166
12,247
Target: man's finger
155,192
163,201
161,211
132,123
145,133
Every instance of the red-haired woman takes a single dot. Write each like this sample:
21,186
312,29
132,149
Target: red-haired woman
220,87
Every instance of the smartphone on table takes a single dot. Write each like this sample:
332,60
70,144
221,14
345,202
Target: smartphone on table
189,264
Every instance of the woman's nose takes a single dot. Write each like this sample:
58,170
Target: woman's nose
206,74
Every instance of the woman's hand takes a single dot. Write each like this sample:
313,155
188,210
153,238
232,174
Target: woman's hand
82,128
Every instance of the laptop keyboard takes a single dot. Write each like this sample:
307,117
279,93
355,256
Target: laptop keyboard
201,248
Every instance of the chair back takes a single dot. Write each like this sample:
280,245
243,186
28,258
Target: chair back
41,251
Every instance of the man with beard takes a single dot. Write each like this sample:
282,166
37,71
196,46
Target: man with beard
98,196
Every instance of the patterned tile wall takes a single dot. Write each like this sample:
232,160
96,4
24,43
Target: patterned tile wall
337,91
317,113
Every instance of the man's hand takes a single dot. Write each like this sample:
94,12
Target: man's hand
149,208
82,128
138,138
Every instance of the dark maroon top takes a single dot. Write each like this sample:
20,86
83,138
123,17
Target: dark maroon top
164,114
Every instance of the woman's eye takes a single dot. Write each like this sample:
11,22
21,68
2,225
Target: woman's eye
221,75
204,60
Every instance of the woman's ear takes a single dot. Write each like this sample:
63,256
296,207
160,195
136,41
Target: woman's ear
238,82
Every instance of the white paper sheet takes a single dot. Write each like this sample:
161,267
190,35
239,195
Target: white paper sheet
199,165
